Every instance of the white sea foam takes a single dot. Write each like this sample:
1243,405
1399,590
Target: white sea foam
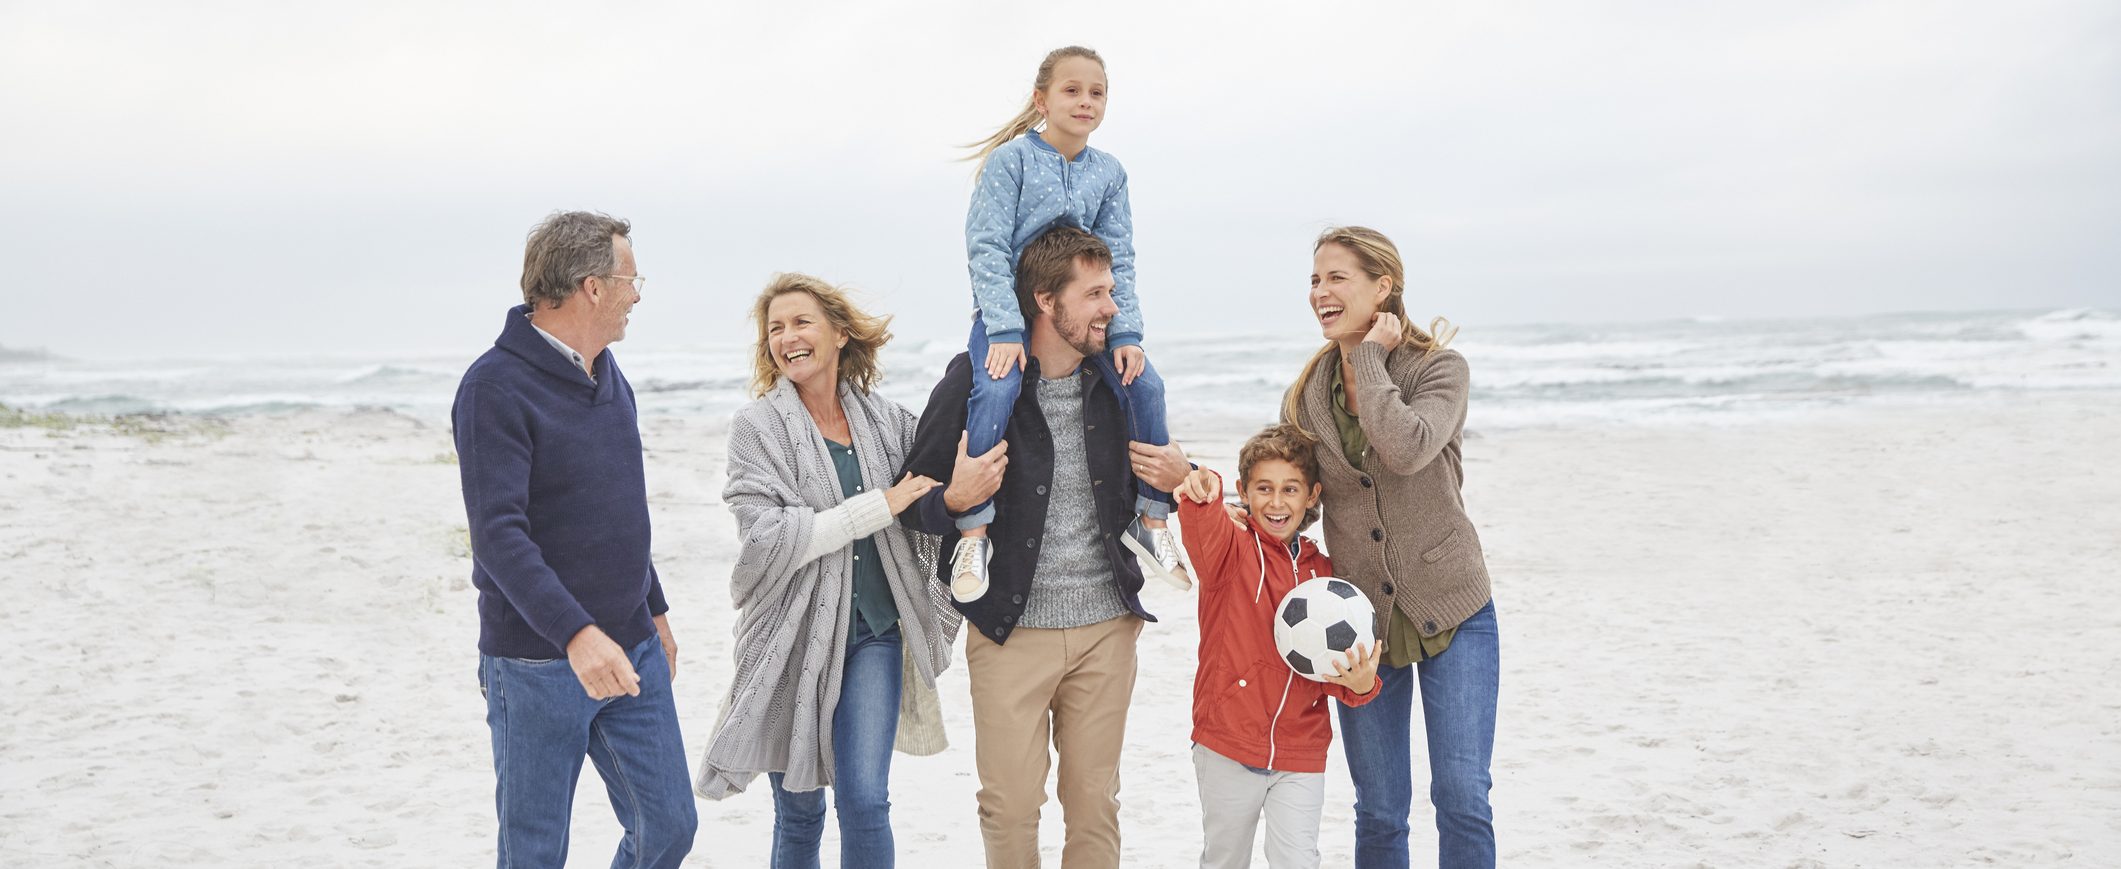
1696,369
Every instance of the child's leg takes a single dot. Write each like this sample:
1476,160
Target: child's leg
1144,399
987,413
1294,802
1230,799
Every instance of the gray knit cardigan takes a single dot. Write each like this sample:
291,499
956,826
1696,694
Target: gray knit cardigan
793,581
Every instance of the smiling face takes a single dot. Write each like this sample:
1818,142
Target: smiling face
1082,309
1074,101
1344,297
1278,493
804,344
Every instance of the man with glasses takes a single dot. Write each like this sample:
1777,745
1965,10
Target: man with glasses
575,650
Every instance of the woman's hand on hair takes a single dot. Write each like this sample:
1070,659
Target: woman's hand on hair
1386,330
1200,487
1004,356
908,490
1131,360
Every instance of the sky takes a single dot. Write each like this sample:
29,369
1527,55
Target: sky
234,178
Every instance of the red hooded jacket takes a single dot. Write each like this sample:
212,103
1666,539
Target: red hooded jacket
1248,705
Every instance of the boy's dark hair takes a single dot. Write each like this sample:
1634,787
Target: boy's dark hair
1288,443
1049,263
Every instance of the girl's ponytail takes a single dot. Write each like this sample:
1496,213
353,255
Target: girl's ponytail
1029,118
1021,124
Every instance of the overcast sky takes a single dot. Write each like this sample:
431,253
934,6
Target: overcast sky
274,177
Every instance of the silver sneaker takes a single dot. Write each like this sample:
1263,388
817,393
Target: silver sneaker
1160,556
968,569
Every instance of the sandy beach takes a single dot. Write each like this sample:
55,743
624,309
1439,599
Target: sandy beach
1867,636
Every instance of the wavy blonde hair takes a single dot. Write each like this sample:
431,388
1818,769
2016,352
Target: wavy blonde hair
1380,260
1029,117
866,334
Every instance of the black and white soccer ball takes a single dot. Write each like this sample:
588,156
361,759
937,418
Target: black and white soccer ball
1318,621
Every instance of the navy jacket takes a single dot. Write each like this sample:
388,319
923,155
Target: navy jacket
1020,504
556,498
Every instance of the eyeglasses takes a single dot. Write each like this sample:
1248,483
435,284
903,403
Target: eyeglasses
635,280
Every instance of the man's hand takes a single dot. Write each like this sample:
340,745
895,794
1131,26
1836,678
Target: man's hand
1004,356
1360,674
1385,330
1239,516
670,643
601,665
1162,467
1131,360
1200,486
973,481
908,490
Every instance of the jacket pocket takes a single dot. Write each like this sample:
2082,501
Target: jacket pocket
1442,548
1226,701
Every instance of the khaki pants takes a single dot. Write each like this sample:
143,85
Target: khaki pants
1070,686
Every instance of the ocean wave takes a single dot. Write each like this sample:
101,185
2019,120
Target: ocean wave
657,385
390,374
2075,324
1662,369
1576,350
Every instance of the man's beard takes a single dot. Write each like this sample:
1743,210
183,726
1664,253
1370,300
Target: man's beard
1092,340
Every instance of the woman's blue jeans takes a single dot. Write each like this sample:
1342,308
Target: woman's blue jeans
864,726
1458,694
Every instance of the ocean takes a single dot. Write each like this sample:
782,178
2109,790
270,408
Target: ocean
1702,370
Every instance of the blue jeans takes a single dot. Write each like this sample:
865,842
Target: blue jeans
864,725
992,400
543,723
1458,691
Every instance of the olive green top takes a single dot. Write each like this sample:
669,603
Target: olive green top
872,591
1403,644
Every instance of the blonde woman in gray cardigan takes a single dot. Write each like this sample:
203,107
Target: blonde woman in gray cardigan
843,631
1388,404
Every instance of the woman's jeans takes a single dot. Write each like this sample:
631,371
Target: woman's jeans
992,401
864,726
1458,692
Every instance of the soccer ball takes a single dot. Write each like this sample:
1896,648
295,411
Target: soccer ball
1318,621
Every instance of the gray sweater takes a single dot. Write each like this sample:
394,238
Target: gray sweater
1072,585
793,581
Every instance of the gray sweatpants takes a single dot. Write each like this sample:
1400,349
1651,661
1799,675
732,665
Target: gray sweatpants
1232,798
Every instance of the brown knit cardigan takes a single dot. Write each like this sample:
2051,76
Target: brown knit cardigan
1394,522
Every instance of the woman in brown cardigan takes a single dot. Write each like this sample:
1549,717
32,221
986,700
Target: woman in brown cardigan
1388,404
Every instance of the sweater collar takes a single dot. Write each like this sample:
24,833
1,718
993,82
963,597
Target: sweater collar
1043,145
519,337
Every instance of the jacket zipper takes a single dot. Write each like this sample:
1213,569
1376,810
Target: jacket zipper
1289,680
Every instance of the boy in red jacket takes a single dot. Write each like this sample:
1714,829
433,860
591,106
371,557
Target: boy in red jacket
1260,732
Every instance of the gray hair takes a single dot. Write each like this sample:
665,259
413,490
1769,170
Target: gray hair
567,248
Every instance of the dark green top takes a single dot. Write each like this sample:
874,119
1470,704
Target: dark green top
872,592
1403,644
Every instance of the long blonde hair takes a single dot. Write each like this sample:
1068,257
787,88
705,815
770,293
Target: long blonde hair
866,334
1029,117
1380,260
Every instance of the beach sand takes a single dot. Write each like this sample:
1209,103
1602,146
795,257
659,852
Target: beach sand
1866,636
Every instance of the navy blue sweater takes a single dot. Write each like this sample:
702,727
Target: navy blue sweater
556,497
